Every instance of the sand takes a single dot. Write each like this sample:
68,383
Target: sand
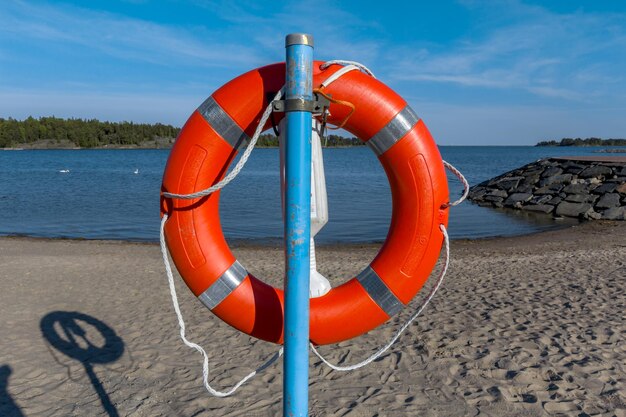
523,326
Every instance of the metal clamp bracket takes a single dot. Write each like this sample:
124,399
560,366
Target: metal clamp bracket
315,106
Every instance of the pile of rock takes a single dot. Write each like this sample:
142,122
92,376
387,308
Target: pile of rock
587,189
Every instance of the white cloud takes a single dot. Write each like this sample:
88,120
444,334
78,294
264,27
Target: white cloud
487,79
124,37
542,53
562,93
249,41
242,13
205,56
568,66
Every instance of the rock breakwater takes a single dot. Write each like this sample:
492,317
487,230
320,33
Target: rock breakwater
584,188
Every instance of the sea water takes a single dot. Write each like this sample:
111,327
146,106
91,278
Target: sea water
114,194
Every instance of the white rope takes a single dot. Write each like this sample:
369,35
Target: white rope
181,324
240,164
421,308
352,65
344,62
338,74
349,66
461,178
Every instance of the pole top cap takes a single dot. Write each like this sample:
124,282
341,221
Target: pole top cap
299,39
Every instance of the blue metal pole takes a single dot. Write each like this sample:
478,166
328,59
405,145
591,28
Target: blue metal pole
298,92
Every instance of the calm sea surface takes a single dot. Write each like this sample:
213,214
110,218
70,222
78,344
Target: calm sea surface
114,194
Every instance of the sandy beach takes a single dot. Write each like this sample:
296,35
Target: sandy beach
523,326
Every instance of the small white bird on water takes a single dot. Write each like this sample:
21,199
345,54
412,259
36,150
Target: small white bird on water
136,171
65,171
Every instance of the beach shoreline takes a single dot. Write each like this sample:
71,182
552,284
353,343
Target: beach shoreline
525,325
277,242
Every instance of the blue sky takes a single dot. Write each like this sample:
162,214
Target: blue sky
477,72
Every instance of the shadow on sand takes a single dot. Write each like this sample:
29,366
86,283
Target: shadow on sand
8,408
87,340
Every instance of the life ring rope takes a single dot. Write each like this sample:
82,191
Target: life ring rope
279,353
347,65
224,125
230,131
235,275
188,343
420,308
462,179
385,138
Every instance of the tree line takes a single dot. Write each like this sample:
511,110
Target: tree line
583,142
93,133
82,133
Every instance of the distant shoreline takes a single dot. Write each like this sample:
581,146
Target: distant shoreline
277,242
56,133
65,144
578,142
78,148
29,147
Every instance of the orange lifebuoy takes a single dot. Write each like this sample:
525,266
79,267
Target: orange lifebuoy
207,145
